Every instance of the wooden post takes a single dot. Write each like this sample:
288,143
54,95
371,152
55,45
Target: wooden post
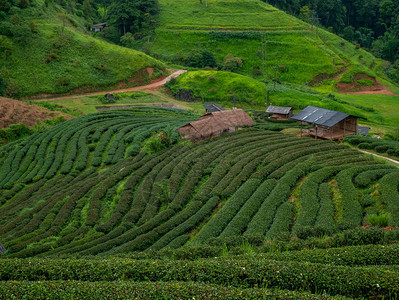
316,133
301,129
344,127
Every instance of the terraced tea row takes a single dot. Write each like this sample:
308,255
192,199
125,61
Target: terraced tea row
93,140
251,182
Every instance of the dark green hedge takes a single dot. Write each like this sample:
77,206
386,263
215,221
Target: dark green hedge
140,290
245,272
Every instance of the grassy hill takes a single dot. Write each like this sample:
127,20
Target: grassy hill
53,53
254,30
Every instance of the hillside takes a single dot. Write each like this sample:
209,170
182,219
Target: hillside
119,185
97,193
263,36
14,112
48,51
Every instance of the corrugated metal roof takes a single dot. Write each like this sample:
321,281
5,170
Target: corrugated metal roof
363,130
213,107
282,110
320,116
2,249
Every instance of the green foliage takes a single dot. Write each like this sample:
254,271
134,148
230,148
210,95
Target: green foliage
62,57
14,132
231,63
247,272
379,145
201,59
381,220
127,290
365,82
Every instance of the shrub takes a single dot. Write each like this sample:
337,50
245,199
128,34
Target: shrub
231,63
378,220
365,82
63,81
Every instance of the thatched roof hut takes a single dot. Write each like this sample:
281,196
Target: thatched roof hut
215,124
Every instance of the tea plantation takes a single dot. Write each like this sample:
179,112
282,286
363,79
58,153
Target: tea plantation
106,213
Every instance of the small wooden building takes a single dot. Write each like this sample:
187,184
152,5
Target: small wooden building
280,112
215,124
213,107
2,250
327,124
98,27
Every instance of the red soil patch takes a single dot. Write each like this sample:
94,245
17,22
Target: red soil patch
356,89
14,111
321,77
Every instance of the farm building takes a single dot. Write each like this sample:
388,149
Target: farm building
215,124
213,107
2,250
98,27
327,124
280,112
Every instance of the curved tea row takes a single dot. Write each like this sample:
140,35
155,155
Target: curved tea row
85,188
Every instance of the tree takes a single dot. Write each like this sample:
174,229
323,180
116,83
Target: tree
133,16
5,46
231,63
349,33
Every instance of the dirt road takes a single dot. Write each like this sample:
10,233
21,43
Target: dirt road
150,87
380,156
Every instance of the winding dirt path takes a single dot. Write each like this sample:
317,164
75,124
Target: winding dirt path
150,87
380,156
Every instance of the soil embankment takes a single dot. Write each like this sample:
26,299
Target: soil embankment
14,112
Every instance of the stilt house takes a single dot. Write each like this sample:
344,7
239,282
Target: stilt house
215,124
327,124
213,107
280,112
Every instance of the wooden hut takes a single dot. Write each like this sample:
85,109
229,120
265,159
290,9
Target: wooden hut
213,107
215,124
280,112
98,27
327,124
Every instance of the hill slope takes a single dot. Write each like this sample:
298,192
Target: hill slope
51,52
84,187
261,35
14,112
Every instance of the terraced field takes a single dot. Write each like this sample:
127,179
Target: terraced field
85,188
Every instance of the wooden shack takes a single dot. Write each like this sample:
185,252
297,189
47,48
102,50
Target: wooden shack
213,107
327,124
215,124
98,27
280,112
